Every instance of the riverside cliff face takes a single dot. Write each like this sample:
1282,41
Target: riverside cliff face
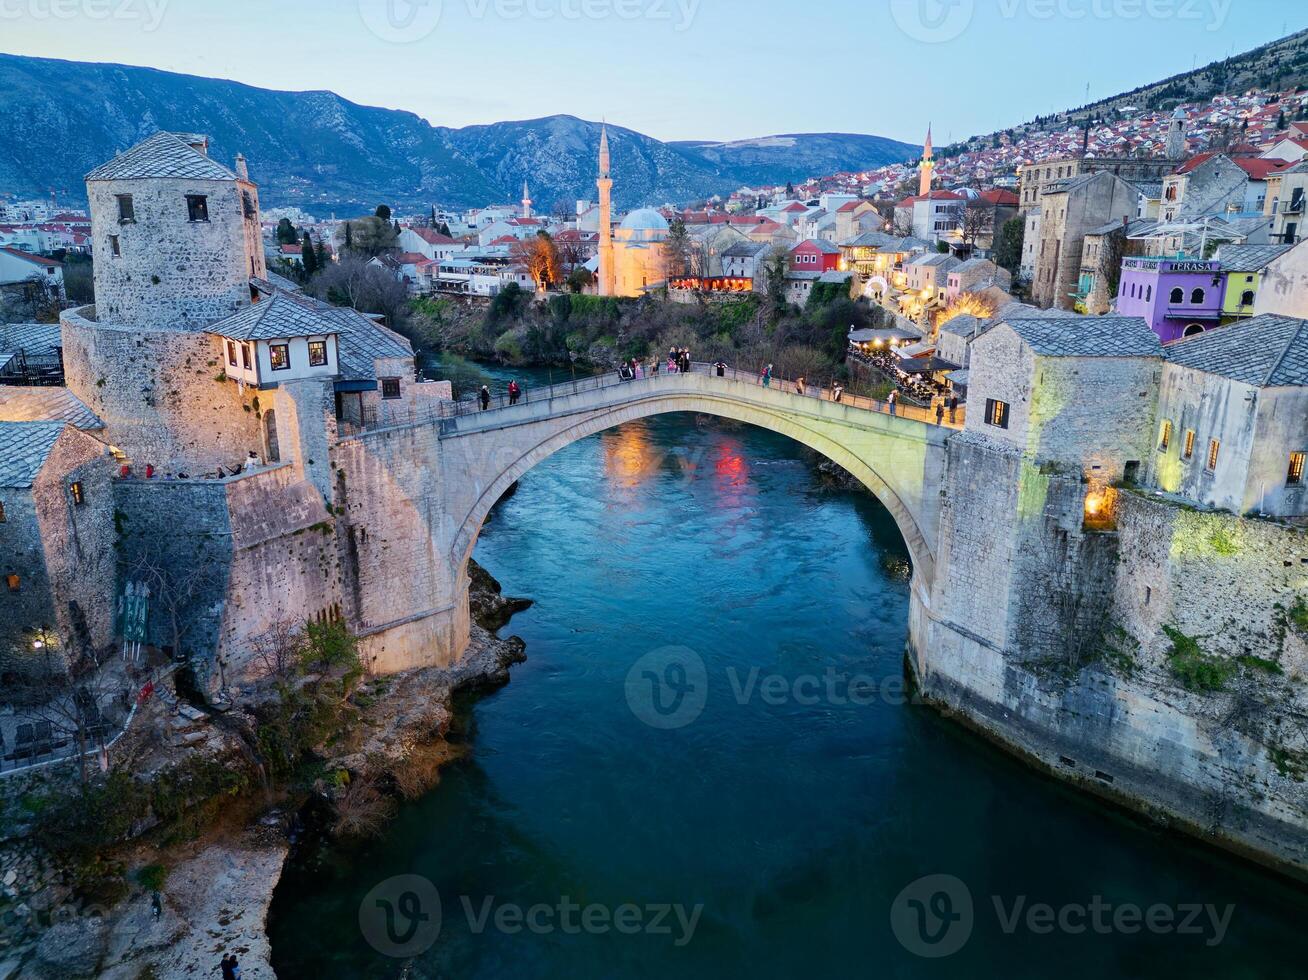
1158,661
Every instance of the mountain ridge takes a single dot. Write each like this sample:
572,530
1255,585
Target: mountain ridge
317,150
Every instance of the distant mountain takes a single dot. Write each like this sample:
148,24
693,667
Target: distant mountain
324,153
798,156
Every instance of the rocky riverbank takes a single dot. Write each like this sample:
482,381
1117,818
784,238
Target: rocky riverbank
215,889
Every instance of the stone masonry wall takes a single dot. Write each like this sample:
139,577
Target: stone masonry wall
163,396
171,272
266,540
1049,640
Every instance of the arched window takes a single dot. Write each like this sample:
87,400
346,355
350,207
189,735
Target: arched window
1247,298
1149,293
1194,329
1177,296
1197,297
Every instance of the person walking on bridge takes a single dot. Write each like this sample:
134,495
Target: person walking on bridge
940,412
893,401
484,397
765,379
953,409
721,367
800,388
514,392
837,391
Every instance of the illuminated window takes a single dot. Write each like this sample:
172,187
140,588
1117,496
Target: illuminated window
317,353
279,356
197,207
1165,436
245,356
1294,477
75,489
231,353
997,413
14,582
1188,451
1214,447
390,387
126,209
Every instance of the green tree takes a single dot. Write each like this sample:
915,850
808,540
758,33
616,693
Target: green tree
308,258
383,212
445,230
1008,244
348,247
677,249
775,271
370,237
286,234
320,255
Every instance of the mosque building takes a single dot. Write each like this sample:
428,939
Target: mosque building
632,258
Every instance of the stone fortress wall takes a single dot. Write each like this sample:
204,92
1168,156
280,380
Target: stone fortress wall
162,395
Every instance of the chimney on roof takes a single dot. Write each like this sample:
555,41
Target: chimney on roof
242,170
199,143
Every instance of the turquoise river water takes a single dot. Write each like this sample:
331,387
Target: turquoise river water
774,818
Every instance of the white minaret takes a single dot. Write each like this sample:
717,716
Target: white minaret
526,201
1176,135
607,282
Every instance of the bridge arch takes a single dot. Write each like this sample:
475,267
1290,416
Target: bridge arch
813,432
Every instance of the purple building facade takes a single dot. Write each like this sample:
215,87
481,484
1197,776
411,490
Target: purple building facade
1178,297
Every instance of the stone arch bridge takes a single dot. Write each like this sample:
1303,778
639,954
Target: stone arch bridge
415,496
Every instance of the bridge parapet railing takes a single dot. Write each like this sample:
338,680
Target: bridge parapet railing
443,413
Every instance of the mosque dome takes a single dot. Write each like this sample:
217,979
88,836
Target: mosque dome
644,223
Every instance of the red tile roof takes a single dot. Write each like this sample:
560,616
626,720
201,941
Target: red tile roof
411,258
1000,197
795,208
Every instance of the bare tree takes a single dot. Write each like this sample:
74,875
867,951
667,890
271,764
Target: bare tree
181,594
355,283
78,711
279,652
977,221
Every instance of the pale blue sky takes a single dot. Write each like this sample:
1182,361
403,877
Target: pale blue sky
675,69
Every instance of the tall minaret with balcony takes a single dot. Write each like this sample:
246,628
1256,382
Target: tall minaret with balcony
928,167
526,201
1176,135
605,185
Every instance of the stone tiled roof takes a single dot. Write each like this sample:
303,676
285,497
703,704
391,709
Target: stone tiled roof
363,340
45,404
745,250
1249,258
1266,351
24,448
161,155
835,275
1087,336
274,319
30,338
934,259
964,325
